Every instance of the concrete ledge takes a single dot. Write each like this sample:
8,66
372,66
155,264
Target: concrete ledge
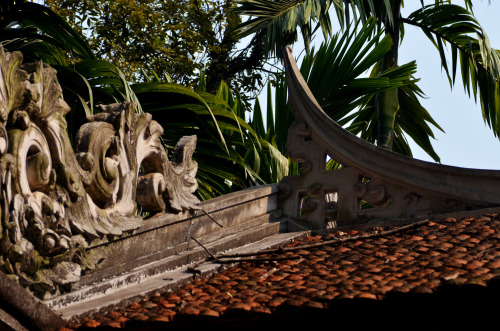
17,304
165,235
143,261
134,277
406,221
7,322
160,283
211,206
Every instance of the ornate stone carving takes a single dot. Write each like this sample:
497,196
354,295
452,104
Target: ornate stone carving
399,187
374,192
308,205
315,190
412,199
284,191
55,201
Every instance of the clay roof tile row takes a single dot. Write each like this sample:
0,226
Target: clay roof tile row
319,274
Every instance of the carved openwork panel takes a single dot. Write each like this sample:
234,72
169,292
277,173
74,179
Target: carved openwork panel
369,183
56,200
319,198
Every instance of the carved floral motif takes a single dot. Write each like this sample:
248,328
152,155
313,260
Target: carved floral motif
55,201
374,192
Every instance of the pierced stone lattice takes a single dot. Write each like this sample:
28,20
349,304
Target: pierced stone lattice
373,183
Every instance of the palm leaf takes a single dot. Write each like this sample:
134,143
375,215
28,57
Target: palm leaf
280,19
31,23
334,75
455,26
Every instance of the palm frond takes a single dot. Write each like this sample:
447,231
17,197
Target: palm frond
280,19
334,75
362,10
30,24
455,26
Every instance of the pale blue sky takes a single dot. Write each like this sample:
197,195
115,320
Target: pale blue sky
467,141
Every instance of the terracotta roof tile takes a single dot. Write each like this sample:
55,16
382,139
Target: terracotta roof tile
432,259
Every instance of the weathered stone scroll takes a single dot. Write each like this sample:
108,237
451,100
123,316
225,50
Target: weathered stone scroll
373,183
56,200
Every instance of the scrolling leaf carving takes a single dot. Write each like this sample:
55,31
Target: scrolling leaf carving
56,201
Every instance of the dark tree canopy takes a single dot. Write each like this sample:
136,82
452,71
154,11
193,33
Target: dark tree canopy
174,38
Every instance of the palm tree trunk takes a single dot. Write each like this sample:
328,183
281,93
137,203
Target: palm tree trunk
387,102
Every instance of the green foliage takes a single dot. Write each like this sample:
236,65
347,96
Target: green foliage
180,39
216,119
457,28
444,24
280,20
272,165
335,75
40,34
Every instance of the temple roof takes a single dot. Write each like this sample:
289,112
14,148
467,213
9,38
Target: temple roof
443,271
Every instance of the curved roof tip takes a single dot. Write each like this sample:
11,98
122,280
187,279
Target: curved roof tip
352,151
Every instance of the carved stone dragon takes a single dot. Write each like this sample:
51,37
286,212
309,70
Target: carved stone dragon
56,200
